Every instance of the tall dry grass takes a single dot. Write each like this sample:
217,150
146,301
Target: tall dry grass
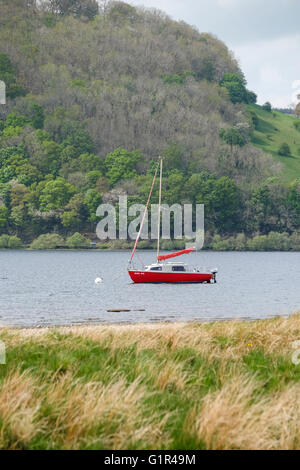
113,410
231,418
19,410
274,335
222,385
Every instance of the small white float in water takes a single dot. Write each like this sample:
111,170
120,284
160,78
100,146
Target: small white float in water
98,280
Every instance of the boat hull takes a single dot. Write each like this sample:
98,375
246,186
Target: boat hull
142,277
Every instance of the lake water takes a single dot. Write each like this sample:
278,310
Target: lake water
58,288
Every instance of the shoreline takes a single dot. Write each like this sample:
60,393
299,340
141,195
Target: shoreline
274,241
146,324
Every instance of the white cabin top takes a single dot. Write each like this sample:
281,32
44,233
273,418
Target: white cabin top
175,267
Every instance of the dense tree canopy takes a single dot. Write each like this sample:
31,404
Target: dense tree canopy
236,86
88,8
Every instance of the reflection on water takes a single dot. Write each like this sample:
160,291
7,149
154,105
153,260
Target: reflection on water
58,288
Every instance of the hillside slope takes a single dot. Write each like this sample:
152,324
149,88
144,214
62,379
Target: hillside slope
94,96
136,79
273,129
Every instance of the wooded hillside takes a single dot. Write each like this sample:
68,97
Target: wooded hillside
96,93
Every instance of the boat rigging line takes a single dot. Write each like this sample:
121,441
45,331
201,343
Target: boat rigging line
159,164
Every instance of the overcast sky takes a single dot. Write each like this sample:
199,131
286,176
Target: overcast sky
263,34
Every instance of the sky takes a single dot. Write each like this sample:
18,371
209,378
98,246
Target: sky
263,34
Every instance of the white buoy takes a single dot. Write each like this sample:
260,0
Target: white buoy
98,280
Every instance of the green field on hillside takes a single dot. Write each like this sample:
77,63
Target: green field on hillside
273,129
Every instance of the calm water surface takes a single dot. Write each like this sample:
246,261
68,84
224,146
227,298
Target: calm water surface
58,288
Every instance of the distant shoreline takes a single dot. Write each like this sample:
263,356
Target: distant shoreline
274,241
206,250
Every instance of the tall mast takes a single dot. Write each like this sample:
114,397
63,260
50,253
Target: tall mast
159,207
144,216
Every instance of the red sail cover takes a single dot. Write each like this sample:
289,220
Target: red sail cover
177,253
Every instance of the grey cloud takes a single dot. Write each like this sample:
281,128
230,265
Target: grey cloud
235,21
263,34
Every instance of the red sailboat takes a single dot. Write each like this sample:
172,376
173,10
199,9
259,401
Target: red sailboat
163,271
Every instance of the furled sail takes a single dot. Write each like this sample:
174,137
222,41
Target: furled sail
173,255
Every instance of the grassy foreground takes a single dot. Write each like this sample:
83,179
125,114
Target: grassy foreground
223,385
